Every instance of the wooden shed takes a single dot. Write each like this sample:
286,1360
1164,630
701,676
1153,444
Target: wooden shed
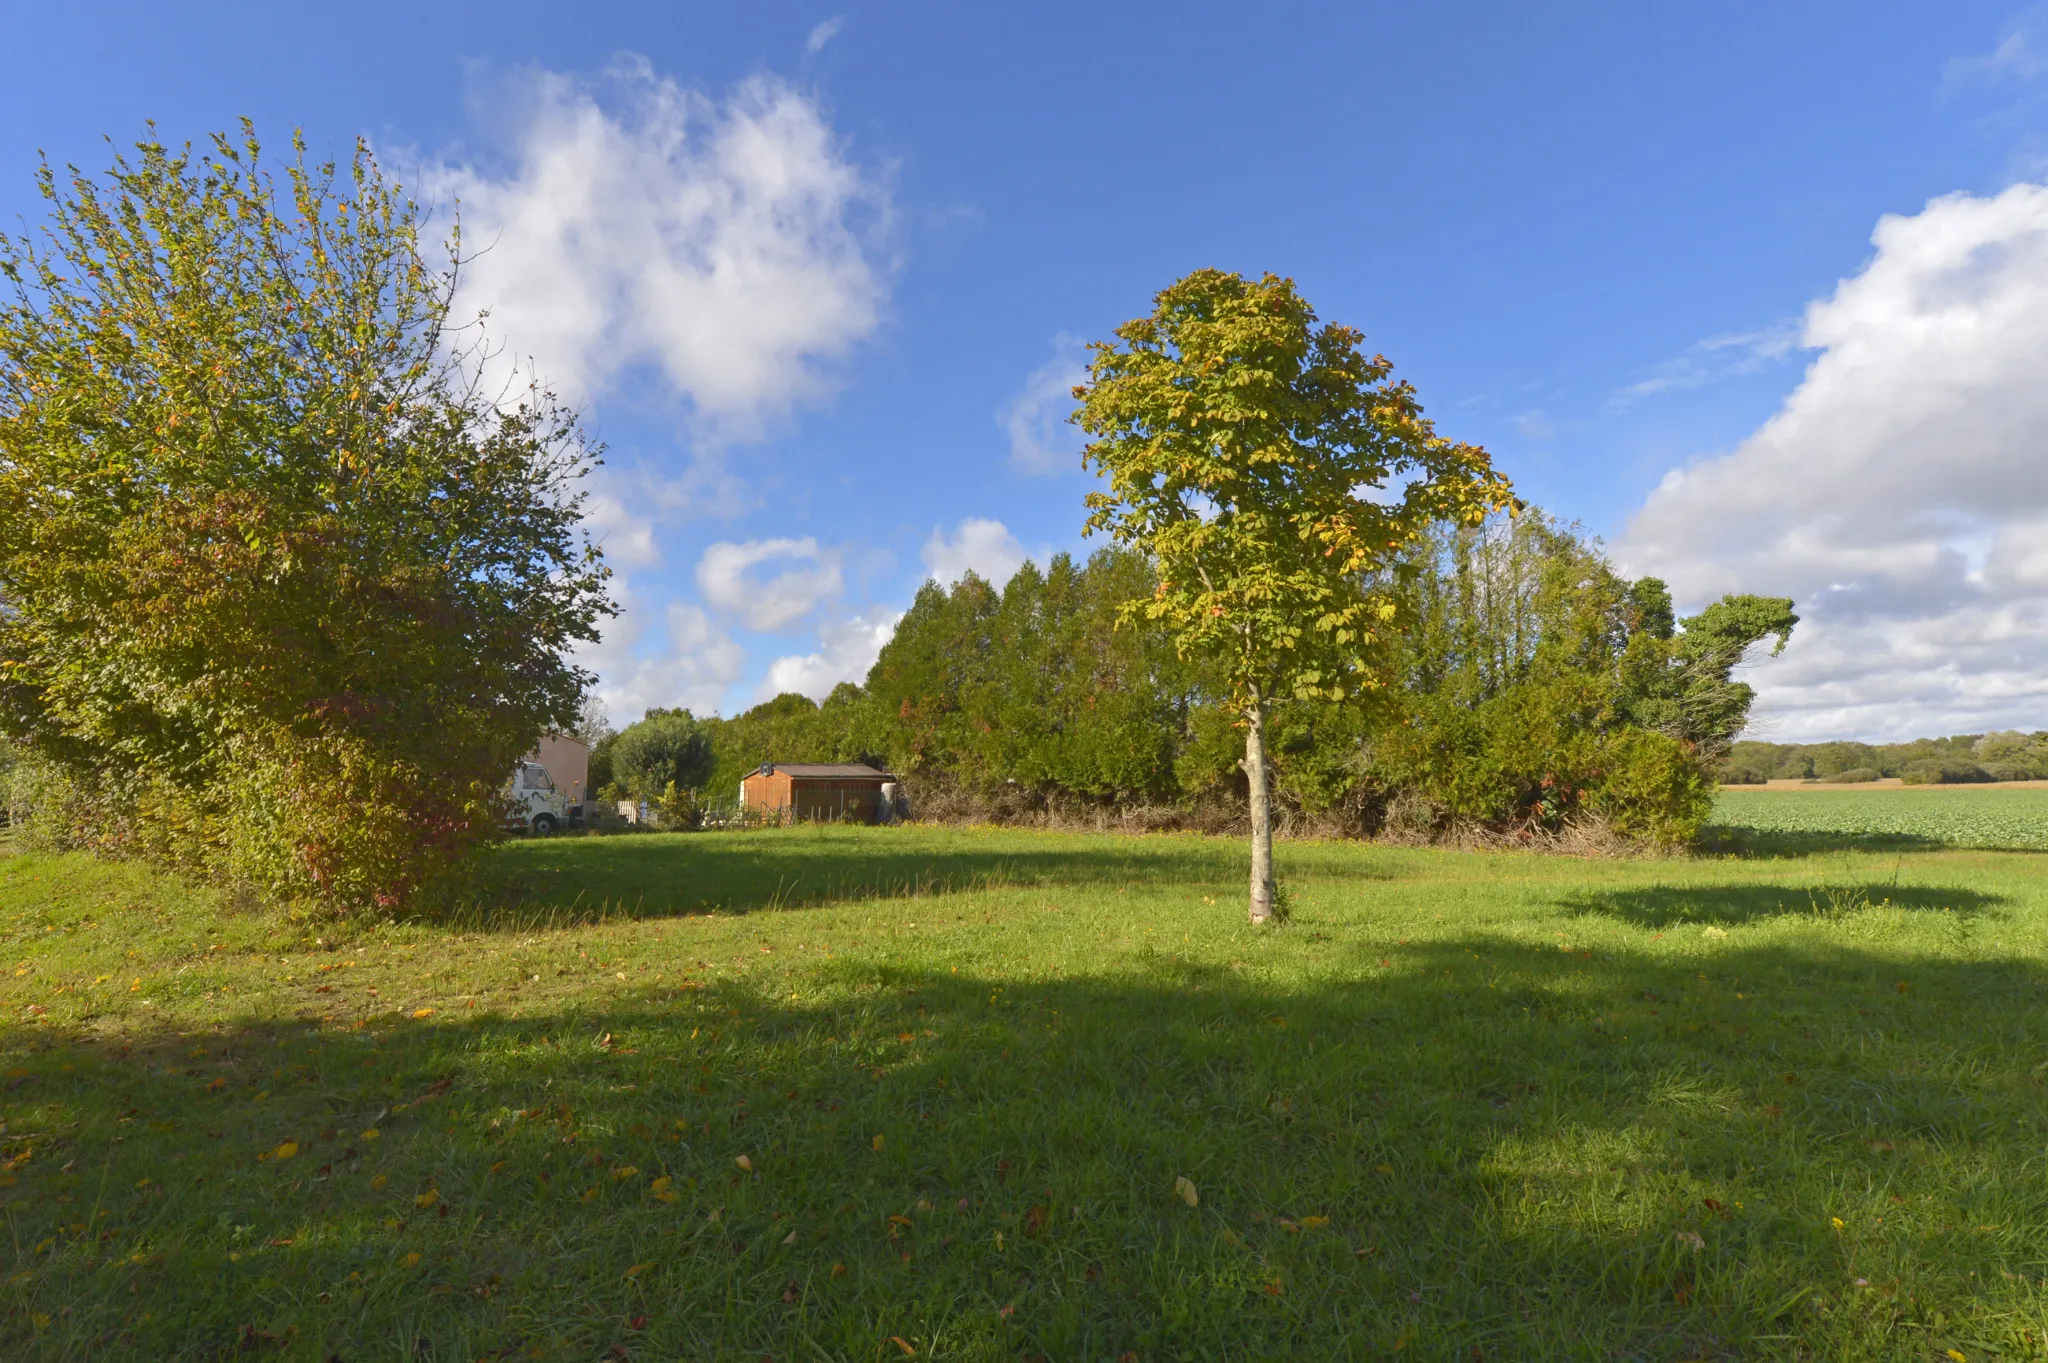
849,791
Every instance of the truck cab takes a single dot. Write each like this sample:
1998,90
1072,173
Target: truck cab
536,803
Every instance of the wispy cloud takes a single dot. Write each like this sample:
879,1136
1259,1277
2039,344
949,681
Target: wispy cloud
2021,55
1714,359
1041,438
822,34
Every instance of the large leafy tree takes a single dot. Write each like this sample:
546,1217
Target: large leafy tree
1274,472
666,748
284,588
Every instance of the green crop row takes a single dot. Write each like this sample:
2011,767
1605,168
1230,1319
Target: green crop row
1957,817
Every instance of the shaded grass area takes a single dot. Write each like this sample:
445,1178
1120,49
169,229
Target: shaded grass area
1532,1107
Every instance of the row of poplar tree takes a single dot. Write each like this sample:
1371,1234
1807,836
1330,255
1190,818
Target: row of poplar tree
1533,688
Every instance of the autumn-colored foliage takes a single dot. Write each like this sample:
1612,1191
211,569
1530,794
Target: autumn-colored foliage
1272,471
288,589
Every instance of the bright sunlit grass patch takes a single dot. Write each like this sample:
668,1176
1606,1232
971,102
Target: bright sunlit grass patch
808,1092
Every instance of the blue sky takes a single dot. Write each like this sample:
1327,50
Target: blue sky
815,271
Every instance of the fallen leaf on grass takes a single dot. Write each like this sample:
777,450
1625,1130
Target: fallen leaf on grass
789,1239
426,1199
637,1269
1383,1168
216,1085
1693,1239
877,1142
1315,1222
1184,1188
624,1172
380,1180
422,1012
745,1163
897,1340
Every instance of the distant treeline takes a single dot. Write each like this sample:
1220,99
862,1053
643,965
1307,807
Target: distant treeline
1534,690
2002,756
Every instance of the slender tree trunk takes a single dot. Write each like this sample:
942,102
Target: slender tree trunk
1262,810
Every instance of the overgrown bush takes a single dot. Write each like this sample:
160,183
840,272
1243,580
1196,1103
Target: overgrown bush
1652,789
666,749
288,589
1855,776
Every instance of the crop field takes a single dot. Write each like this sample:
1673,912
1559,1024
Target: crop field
913,1093
1951,816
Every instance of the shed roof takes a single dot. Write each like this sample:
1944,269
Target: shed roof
843,769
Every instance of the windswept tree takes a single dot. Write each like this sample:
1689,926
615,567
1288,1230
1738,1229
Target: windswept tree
285,589
1274,473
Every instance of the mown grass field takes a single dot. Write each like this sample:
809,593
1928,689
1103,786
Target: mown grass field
1917,816
893,1093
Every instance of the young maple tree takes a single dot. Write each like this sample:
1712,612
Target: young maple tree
1255,454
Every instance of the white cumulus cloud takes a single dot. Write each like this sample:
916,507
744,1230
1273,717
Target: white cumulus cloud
981,546
846,650
693,665
728,246
1900,494
768,601
1042,440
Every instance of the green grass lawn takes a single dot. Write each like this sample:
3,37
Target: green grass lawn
875,1094
1928,816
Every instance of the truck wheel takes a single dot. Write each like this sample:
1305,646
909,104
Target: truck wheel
543,824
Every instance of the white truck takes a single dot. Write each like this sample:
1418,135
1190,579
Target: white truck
536,803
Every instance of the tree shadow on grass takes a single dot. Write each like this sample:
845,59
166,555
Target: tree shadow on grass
1741,840
552,883
1665,906
1481,1149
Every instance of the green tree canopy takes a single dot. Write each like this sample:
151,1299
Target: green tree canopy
287,590
667,747
1273,472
